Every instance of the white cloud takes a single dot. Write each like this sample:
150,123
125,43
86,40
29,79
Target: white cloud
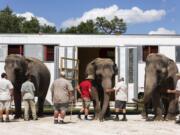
133,15
162,31
29,15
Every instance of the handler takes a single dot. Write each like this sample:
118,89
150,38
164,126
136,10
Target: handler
177,92
61,96
27,91
84,89
6,93
120,98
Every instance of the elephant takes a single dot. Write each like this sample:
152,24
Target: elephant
160,75
17,68
103,70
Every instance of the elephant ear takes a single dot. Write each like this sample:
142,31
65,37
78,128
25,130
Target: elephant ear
172,68
29,62
90,69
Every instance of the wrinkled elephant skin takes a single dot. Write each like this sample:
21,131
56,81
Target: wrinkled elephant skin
17,68
160,75
103,70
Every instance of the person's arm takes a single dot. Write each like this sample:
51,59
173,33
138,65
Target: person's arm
173,91
70,92
22,90
110,90
33,87
11,89
78,89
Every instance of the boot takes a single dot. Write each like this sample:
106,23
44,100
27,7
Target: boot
79,115
61,122
7,119
86,118
1,120
117,117
124,118
55,121
178,121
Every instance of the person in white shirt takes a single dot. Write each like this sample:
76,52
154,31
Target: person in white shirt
6,93
177,92
120,99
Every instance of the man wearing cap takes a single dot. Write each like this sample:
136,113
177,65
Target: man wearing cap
84,89
177,92
61,97
6,93
120,98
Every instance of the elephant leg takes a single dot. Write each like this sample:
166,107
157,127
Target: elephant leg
157,106
96,102
165,109
41,101
172,110
104,107
147,100
17,101
145,111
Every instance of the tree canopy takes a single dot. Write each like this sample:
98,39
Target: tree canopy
10,23
100,26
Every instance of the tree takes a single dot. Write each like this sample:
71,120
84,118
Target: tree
71,30
100,26
87,27
9,22
31,26
47,29
115,26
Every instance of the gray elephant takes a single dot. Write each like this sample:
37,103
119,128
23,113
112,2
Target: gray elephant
160,75
103,70
18,68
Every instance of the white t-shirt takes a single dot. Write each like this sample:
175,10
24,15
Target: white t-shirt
5,86
121,91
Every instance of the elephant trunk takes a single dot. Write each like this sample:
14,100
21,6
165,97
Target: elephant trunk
150,85
105,105
107,83
11,75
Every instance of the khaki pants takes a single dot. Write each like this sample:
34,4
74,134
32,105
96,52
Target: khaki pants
29,103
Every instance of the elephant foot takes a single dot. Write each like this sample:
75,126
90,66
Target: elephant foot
170,117
101,118
95,118
40,115
143,114
158,118
17,116
149,119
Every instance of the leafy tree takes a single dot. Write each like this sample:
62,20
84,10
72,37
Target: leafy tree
9,22
71,30
31,26
87,27
100,26
47,29
115,26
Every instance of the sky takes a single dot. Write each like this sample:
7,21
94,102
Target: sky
141,16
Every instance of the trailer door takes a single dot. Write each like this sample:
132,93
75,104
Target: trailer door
131,65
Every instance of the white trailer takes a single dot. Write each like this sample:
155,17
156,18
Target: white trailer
128,52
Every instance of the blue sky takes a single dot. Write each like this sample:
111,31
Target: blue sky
142,16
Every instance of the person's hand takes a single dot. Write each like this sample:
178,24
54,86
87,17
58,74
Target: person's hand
168,91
